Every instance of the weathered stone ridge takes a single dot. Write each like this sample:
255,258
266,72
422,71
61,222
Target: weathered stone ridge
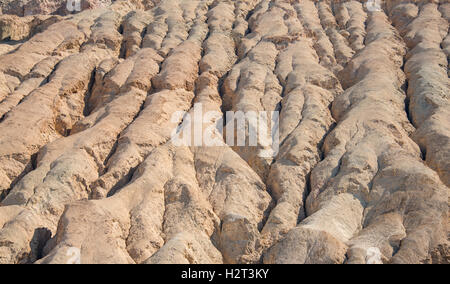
87,99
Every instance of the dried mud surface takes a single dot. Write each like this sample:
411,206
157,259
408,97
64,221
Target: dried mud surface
86,101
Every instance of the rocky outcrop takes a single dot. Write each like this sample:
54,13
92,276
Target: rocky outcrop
89,167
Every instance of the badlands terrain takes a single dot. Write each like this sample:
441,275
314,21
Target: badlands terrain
88,170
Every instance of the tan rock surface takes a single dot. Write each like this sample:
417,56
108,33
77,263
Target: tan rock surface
88,167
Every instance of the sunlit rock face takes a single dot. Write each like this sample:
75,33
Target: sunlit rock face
89,97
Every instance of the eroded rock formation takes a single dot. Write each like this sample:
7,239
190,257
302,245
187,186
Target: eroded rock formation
86,118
